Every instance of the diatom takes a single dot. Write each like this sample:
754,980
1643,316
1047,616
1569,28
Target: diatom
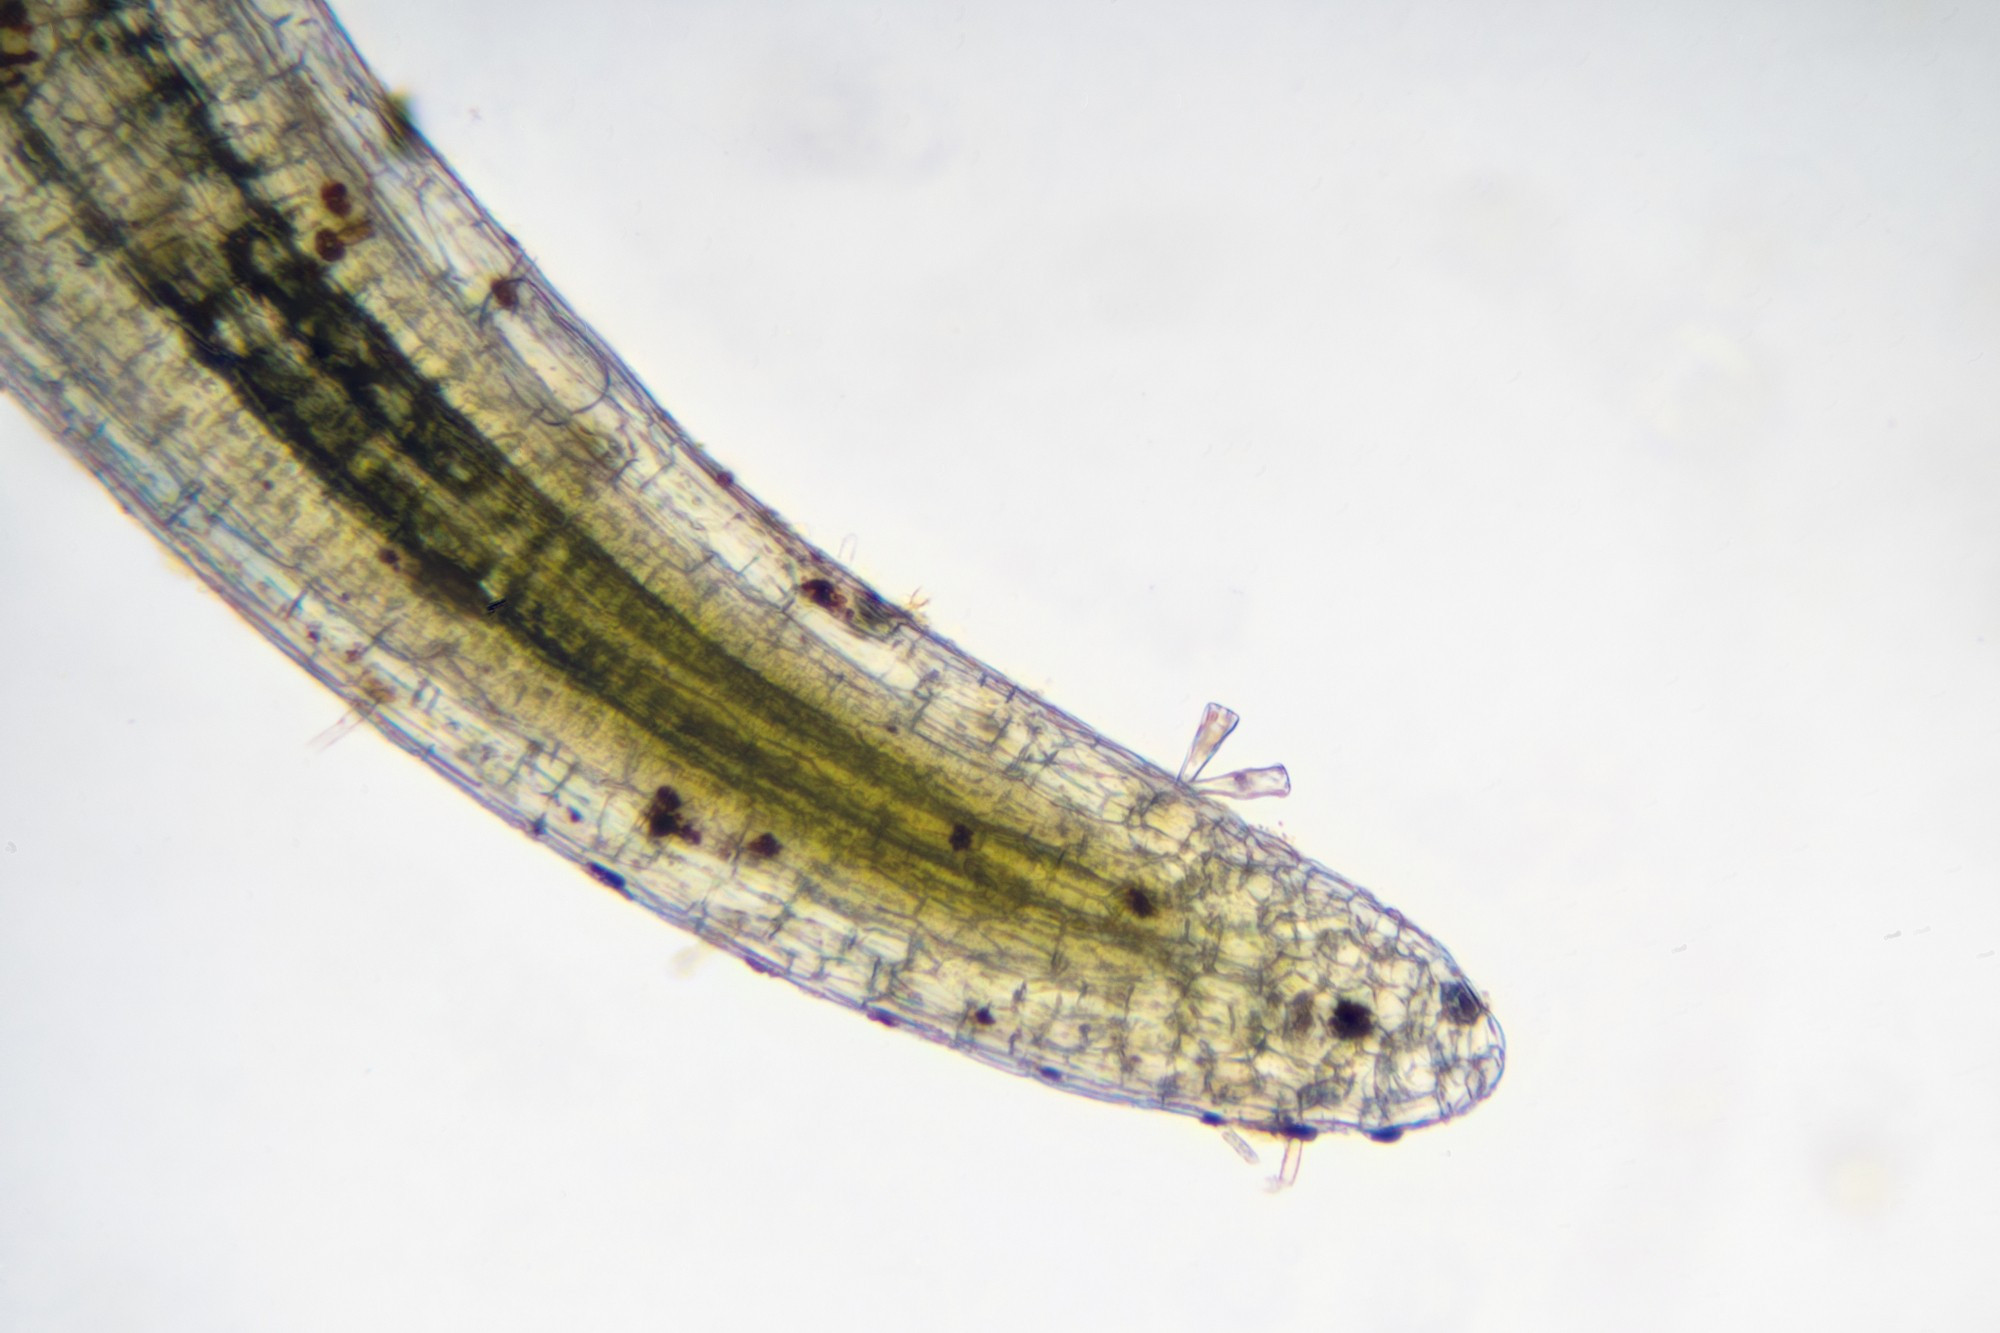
239,286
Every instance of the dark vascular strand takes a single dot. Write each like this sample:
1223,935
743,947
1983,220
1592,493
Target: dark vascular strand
472,532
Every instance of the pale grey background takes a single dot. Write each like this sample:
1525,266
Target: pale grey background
1567,434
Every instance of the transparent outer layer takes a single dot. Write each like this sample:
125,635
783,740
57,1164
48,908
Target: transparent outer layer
241,289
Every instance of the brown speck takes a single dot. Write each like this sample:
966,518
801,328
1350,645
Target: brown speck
14,16
663,817
334,196
506,293
961,838
328,246
387,555
1139,902
764,846
726,477
1352,1020
1299,1015
823,594
1461,1004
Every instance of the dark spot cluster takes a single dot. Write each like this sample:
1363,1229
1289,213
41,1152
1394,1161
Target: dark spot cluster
764,846
1140,903
333,196
664,818
824,594
1351,1021
1459,1002
961,838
